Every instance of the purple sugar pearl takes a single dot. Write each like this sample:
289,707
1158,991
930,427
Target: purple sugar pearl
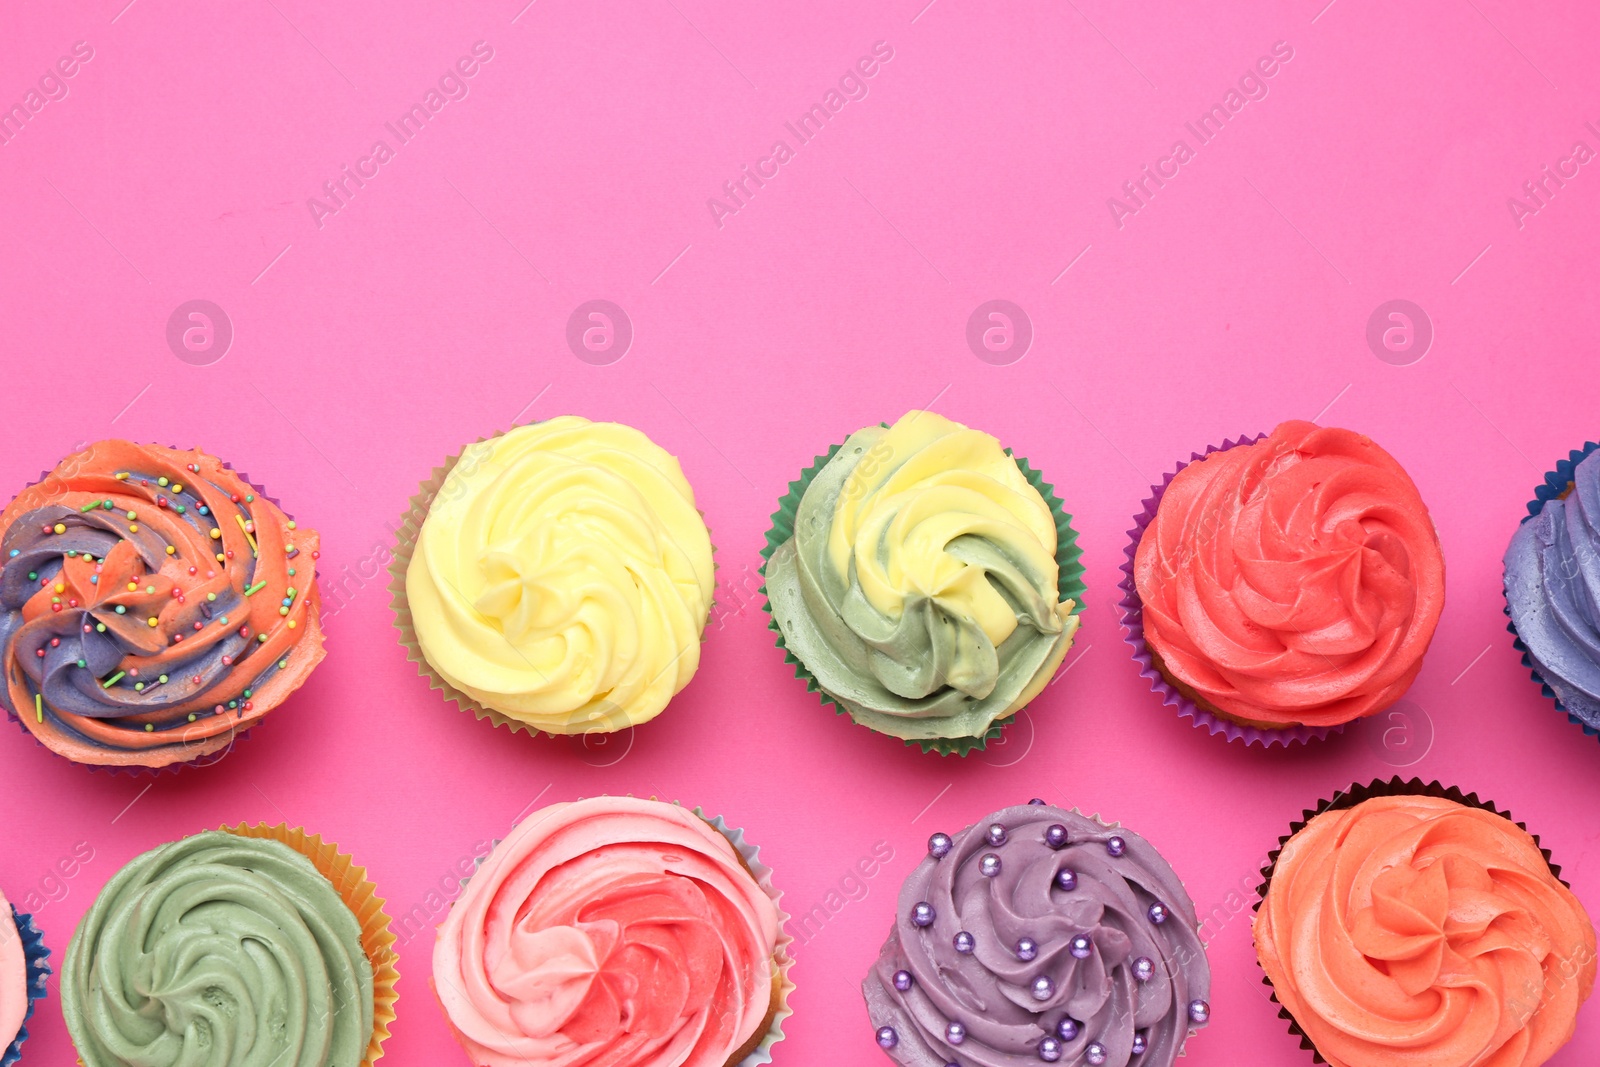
922,914
1067,1028
1144,969
887,1038
989,865
903,980
1066,879
1055,836
939,846
995,835
955,1033
1080,947
1199,1012
1095,1054
1037,802
1043,988
1139,1043
1158,913
1049,1049
1116,846
965,943
1027,949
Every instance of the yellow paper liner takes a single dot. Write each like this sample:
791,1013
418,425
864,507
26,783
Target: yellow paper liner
361,897
405,545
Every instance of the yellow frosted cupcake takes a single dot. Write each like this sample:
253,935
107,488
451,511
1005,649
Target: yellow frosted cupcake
560,580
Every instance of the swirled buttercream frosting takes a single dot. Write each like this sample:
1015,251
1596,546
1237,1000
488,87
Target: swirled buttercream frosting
1552,582
1293,581
563,577
610,931
1039,935
13,978
218,951
153,606
1418,930
920,587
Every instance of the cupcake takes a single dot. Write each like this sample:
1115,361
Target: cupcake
232,948
924,580
1404,922
1552,582
1283,586
1040,935
561,578
154,605
615,931
23,973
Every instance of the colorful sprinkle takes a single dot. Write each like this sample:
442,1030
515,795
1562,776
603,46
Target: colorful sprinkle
172,550
60,529
248,536
216,532
149,727
162,481
255,588
122,477
38,706
113,680
90,506
121,610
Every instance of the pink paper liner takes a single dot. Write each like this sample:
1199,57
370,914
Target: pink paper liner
134,770
1133,632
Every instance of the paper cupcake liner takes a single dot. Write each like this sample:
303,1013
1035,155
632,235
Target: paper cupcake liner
35,954
405,545
1133,632
1555,485
361,897
1349,798
141,772
782,953
1070,584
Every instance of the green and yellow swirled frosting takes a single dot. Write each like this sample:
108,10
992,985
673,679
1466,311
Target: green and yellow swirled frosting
920,587
218,951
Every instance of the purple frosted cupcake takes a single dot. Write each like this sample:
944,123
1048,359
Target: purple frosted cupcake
1552,587
1040,935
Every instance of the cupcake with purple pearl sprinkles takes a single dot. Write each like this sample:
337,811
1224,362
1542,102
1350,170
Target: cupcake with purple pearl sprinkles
1040,935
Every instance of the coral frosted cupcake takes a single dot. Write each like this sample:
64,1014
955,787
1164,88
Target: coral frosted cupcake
23,973
924,580
1285,585
615,931
1404,923
1040,935
1552,587
561,579
232,948
153,606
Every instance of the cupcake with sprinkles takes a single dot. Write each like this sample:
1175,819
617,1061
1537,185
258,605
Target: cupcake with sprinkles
154,606
1040,935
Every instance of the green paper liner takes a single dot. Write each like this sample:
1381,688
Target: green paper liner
759,1050
1349,798
405,544
1069,583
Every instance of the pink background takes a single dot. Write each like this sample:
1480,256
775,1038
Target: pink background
432,308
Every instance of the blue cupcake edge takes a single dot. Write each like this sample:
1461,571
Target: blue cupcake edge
1555,483
38,977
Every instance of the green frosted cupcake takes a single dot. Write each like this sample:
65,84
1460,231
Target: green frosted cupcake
924,581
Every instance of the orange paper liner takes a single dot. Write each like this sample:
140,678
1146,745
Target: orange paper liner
405,545
361,897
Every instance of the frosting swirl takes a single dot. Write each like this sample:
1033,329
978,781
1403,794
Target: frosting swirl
1552,582
920,586
1294,581
152,606
1416,930
609,931
218,951
13,978
563,577
1066,941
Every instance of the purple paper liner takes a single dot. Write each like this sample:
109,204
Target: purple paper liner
1349,798
1133,632
1555,483
135,771
34,953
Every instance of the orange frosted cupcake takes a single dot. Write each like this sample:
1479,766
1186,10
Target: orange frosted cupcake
153,606
1412,924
